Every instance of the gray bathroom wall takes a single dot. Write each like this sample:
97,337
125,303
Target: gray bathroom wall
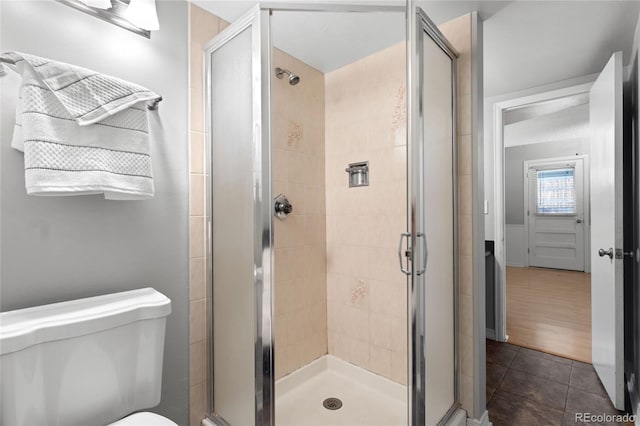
514,158
59,248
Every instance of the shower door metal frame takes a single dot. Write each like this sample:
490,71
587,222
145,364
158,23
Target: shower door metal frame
259,18
418,24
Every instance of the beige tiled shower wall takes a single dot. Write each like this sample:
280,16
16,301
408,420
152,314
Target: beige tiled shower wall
300,251
458,32
203,26
365,112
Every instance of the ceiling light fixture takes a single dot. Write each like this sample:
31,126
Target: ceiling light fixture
143,14
98,4
138,16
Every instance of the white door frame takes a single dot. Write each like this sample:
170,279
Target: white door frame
499,108
585,202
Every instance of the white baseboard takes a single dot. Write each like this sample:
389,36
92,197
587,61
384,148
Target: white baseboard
482,421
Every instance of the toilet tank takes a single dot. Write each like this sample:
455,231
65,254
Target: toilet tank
84,362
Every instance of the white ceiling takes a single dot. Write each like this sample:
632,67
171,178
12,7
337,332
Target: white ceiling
529,44
526,43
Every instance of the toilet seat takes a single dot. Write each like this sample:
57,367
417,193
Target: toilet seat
144,418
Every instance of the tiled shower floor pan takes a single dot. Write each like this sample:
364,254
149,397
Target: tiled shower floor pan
367,399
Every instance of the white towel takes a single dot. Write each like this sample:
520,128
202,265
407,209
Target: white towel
81,132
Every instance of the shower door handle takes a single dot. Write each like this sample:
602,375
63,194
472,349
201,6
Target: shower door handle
421,236
407,253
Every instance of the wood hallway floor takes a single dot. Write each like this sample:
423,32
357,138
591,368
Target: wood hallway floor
549,310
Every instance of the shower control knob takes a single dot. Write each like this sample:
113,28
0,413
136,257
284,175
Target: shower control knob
282,207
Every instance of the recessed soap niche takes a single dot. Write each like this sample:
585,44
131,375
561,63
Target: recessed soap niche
358,174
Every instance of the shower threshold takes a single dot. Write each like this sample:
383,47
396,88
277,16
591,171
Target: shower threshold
367,399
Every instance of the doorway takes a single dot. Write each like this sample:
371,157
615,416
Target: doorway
312,313
603,311
543,303
549,298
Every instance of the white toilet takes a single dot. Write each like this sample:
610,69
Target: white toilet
86,362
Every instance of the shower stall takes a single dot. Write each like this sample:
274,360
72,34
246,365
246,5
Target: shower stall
332,205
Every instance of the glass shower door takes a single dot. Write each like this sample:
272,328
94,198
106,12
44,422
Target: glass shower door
238,130
238,67
432,224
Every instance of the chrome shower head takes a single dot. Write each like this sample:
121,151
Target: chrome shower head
293,79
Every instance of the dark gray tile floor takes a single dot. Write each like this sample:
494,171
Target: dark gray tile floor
531,388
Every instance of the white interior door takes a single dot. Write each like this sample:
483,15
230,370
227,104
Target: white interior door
605,100
556,215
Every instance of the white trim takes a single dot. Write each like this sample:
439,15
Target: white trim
498,183
491,334
482,421
586,200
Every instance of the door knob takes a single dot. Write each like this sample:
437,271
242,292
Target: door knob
578,220
603,253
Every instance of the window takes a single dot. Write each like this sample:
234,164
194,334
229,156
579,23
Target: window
556,191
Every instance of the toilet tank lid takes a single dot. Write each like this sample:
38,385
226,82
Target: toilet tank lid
22,328
144,418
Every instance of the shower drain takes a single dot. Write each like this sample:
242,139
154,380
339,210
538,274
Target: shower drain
332,404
